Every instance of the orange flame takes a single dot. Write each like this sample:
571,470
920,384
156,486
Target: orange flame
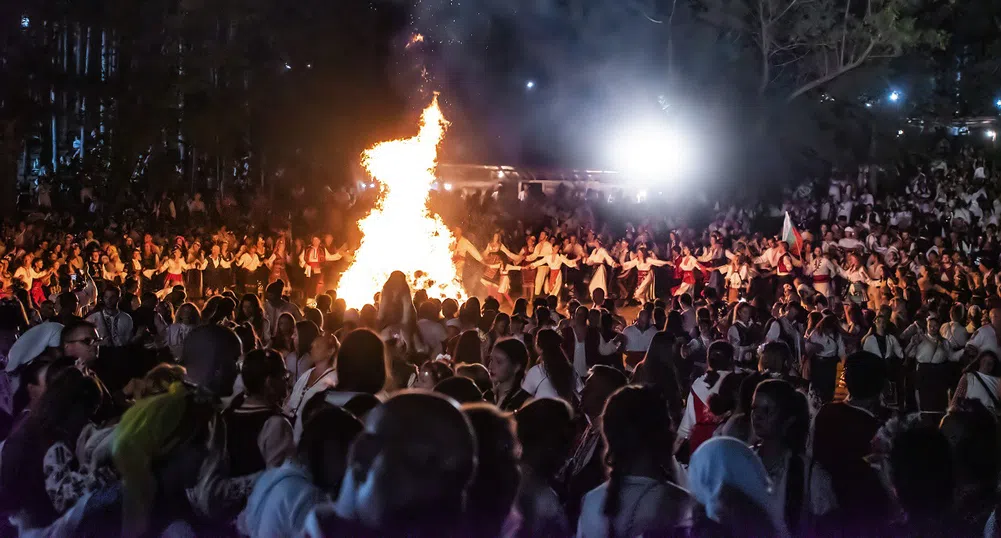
415,39
400,234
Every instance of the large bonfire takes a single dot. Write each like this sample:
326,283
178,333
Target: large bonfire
401,234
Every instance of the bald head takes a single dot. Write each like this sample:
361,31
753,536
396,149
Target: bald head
411,466
210,355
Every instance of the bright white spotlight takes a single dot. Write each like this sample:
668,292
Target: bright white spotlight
652,152
448,187
997,103
991,134
894,96
530,84
900,132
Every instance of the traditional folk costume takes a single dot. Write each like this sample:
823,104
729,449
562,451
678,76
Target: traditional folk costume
277,269
193,279
715,256
601,261
645,284
491,265
737,280
277,264
249,264
822,271
312,260
684,270
552,272
496,272
699,423
524,258
543,250
215,271
462,249
175,269
858,282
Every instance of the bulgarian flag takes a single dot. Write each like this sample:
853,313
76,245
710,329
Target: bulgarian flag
792,236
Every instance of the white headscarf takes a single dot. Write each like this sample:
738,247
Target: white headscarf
725,461
32,343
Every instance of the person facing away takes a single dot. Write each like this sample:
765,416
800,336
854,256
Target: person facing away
408,473
284,496
641,493
494,487
585,469
545,431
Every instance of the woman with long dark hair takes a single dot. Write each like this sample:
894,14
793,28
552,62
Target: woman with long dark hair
553,376
657,370
252,312
780,419
298,361
640,495
507,366
284,337
467,348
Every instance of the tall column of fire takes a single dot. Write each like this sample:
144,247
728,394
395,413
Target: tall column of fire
401,234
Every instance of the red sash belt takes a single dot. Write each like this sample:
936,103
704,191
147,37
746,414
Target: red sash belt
821,279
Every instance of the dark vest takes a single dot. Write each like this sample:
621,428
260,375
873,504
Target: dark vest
242,429
213,276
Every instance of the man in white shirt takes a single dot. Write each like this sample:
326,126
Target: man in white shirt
638,337
114,328
849,241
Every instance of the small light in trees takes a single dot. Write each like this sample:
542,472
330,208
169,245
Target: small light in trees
997,103
895,96
288,67
868,105
25,21
991,134
530,84
900,132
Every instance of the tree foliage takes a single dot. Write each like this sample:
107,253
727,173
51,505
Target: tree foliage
802,45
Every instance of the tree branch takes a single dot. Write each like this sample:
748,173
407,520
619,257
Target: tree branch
765,42
834,74
844,31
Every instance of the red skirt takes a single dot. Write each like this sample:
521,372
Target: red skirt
528,277
173,280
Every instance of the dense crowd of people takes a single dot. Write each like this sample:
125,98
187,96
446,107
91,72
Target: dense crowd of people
166,375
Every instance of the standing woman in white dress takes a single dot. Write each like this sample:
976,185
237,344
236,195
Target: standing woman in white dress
601,261
321,376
